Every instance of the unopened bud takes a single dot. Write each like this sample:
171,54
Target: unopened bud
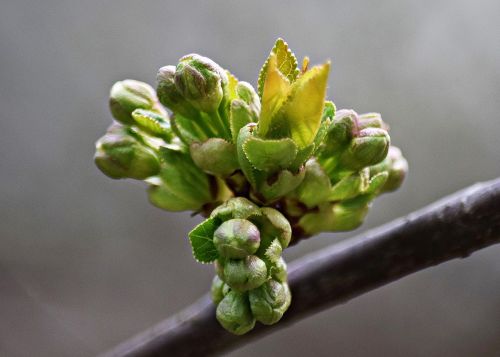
200,80
277,226
270,301
119,155
279,270
129,95
169,95
215,156
218,290
370,120
237,238
248,94
368,148
395,165
341,131
234,313
245,274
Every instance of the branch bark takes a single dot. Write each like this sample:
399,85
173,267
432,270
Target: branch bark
453,227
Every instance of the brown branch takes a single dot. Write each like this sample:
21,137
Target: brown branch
453,227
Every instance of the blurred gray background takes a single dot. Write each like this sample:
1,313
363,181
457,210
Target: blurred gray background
86,262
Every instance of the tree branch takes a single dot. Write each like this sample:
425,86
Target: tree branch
453,227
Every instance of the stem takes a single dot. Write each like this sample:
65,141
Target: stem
222,129
203,125
453,227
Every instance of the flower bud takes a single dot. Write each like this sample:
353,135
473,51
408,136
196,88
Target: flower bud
370,120
215,156
119,155
349,214
279,271
350,186
247,93
234,313
237,238
368,148
395,165
218,290
237,207
219,269
276,226
201,81
340,131
245,274
128,95
168,94
269,301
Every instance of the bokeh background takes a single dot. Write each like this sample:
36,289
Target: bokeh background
86,262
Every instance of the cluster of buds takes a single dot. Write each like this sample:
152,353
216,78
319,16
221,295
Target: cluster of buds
266,167
246,242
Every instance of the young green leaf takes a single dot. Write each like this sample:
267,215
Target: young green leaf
303,109
152,123
287,64
284,183
275,91
239,116
231,86
270,155
202,241
316,185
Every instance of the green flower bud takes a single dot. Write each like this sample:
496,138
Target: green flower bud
218,290
279,270
370,120
215,156
368,148
119,155
340,131
398,170
245,274
348,215
237,207
248,94
350,186
219,269
201,81
168,94
234,313
129,95
237,238
270,301
276,226
334,217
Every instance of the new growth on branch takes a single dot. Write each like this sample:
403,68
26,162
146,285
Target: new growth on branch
266,168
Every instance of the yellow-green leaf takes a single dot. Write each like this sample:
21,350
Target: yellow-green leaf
303,109
231,86
287,64
275,92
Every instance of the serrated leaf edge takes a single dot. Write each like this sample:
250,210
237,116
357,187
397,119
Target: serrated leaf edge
193,249
263,71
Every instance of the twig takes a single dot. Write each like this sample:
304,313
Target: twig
453,227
